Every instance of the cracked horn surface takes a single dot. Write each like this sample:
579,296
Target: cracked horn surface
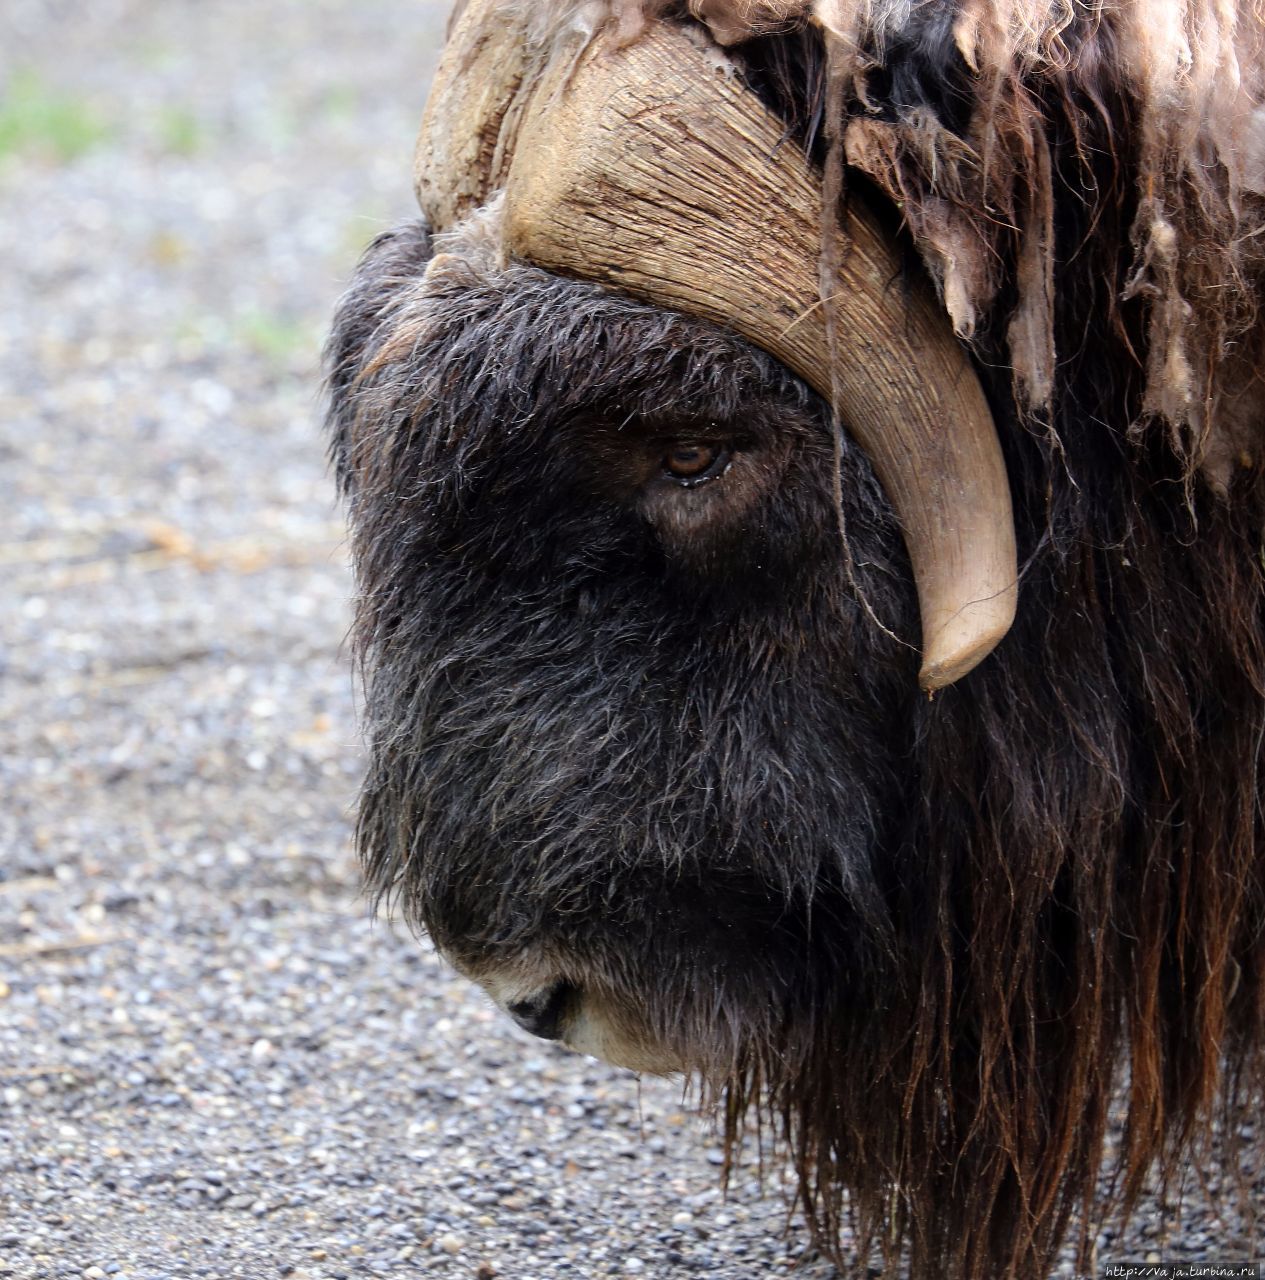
639,166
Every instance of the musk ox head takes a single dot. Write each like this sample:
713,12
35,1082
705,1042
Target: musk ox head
640,755
671,498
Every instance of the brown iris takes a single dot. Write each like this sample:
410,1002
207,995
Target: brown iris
693,462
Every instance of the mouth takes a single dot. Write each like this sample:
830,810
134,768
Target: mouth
545,1013
581,1018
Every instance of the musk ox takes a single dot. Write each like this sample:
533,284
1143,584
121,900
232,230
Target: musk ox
804,485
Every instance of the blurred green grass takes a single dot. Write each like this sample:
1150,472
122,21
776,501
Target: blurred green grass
35,118
180,132
280,339
40,121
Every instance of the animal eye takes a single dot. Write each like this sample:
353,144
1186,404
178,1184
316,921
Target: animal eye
693,463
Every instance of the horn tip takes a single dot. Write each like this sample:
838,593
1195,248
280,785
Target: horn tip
961,644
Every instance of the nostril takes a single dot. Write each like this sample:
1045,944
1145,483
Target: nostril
542,1014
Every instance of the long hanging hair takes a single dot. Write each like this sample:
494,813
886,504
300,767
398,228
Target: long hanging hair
1085,184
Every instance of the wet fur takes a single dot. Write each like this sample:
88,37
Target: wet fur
930,938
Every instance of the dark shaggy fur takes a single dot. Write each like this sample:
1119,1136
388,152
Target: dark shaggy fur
670,745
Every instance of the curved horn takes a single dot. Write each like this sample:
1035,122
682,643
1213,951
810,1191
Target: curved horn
471,113
642,167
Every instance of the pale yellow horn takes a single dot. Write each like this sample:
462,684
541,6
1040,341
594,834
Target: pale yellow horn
643,167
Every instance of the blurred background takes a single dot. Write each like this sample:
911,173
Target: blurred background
211,1063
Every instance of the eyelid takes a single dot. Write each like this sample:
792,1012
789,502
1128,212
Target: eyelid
691,458
713,471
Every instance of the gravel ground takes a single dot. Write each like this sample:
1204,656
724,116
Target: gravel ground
211,1063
